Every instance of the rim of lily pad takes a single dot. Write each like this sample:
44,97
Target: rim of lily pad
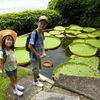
82,36
73,32
75,27
21,41
59,28
54,32
82,49
89,29
22,56
92,61
92,35
97,33
51,42
93,42
70,35
71,68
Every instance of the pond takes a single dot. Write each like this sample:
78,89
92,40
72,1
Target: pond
57,56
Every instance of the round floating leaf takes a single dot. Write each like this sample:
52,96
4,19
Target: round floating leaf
82,35
78,40
72,32
59,28
90,61
21,41
22,56
74,69
54,32
75,27
46,34
51,42
89,29
97,33
82,49
70,36
93,42
92,35
59,36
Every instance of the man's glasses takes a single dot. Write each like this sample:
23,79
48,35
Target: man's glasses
44,24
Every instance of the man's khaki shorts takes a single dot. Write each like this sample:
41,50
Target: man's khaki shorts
36,66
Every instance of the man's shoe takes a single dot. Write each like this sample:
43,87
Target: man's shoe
20,87
39,84
18,93
41,78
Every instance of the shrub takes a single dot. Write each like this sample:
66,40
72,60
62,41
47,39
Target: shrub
26,21
82,12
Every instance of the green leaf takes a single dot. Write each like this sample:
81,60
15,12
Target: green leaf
82,35
89,29
21,41
59,28
54,32
90,61
75,27
97,33
82,49
22,56
73,32
71,68
93,42
51,42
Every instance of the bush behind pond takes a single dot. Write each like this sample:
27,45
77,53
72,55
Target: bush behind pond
26,21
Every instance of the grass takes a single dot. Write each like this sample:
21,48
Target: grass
5,82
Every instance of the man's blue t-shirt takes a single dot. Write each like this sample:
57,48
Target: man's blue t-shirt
38,44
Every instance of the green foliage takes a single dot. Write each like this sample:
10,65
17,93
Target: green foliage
26,21
82,12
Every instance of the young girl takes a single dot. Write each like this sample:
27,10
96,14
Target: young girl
10,65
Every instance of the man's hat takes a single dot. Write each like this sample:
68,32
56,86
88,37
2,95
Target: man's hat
43,18
7,32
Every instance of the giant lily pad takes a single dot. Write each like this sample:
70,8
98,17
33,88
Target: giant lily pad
59,36
59,28
75,27
82,49
89,29
51,42
79,40
54,32
71,68
92,35
70,36
22,56
97,33
93,42
90,61
72,32
21,41
82,35
46,34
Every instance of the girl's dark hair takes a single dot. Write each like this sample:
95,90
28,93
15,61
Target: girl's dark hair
3,42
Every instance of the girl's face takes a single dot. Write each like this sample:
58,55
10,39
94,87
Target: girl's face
9,41
42,25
